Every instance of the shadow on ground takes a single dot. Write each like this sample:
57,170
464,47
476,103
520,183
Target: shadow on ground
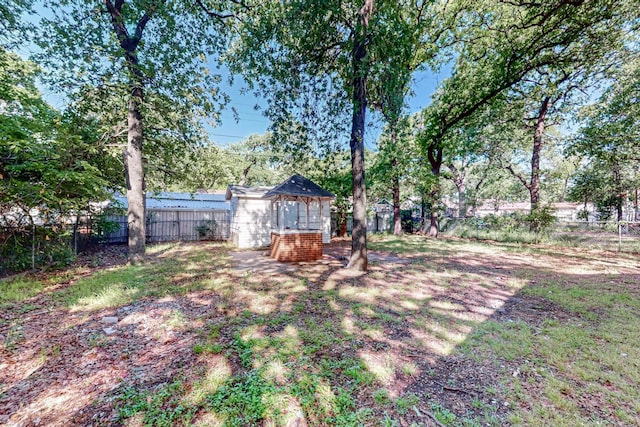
204,334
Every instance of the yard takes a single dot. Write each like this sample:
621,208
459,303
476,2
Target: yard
447,332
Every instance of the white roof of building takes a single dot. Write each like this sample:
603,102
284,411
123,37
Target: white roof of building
193,201
245,191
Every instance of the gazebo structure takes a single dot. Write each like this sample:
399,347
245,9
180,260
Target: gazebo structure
299,217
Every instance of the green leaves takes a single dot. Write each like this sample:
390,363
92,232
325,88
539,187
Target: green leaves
610,143
45,161
167,48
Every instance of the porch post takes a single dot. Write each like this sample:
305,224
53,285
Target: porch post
281,214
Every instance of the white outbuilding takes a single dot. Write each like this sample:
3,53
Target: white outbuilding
296,206
250,225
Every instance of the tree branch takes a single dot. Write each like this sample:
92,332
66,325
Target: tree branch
143,21
221,16
115,11
518,176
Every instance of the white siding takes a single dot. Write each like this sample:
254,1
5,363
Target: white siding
252,218
326,221
233,227
251,225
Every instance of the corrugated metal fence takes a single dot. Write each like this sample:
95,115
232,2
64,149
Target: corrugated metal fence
166,225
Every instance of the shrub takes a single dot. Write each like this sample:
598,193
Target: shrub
540,219
26,247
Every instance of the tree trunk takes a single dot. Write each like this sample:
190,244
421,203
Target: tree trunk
434,154
342,227
397,218
619,188
433,224
245,172
534,185
135,180
358,260
395,184
619,210
134,172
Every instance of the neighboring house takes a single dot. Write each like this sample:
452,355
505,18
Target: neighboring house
564,211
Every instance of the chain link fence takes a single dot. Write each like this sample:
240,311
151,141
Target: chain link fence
28,245
31,246
622,236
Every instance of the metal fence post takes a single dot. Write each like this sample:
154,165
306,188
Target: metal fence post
33,246
75,237
619,236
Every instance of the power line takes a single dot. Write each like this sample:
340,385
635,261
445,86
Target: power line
227,136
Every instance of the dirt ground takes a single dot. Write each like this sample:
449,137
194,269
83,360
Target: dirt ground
59,367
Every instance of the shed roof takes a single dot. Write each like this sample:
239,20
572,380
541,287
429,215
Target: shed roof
299,186
243,190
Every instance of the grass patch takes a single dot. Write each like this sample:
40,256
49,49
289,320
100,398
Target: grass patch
510,340
241,400
110,288
159,407
18,290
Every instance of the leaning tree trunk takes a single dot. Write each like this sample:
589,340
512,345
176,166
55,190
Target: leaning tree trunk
534,183
358,260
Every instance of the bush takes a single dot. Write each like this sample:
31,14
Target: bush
104,225
541,219
513,227
207,230
23,248
507,222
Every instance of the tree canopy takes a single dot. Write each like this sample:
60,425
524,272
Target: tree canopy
146,59
46,164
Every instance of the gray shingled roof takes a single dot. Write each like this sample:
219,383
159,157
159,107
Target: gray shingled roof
298,185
